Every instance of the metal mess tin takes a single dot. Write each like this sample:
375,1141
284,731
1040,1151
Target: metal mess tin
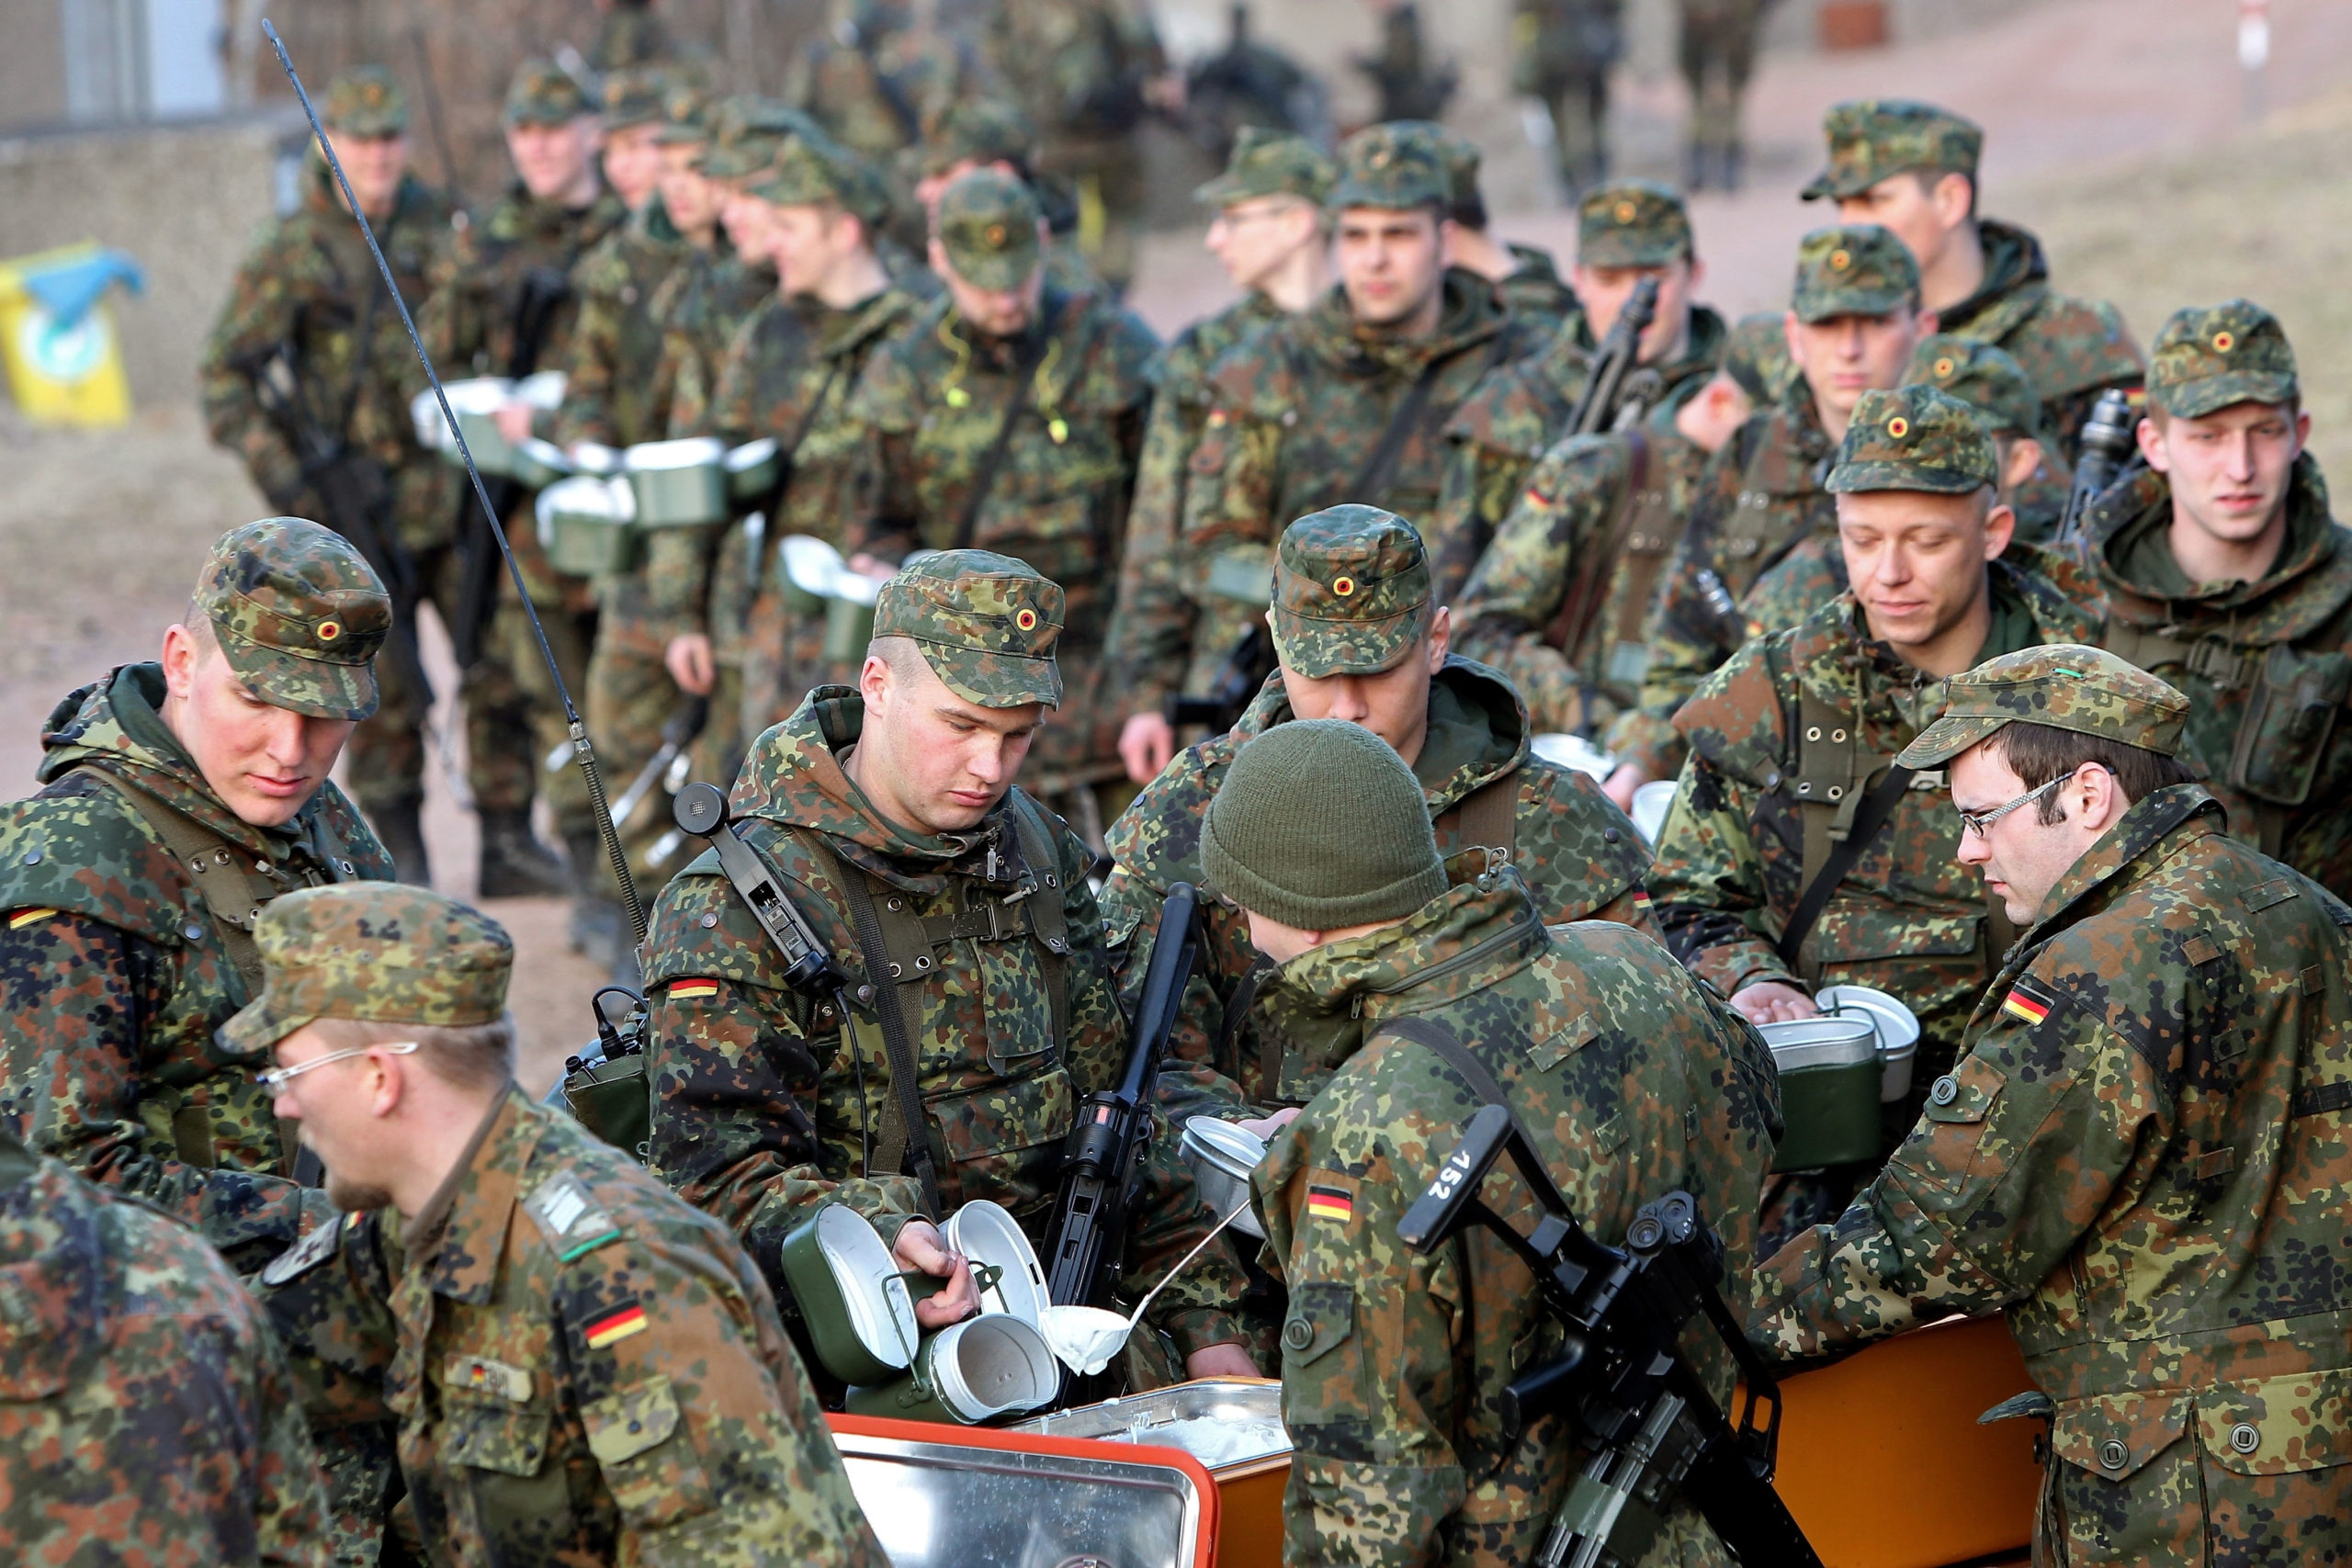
1222,1155
1829,1081
1225,1424
586,525
1897,1026
678,483
846,1285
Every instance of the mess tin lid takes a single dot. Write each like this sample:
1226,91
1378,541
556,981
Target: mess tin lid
659,456
1233,1149
846,1286
811,564
987,1234
750,454
1820,1042
1898,1026
1575,753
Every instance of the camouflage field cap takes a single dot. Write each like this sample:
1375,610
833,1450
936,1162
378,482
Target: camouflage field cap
1917,438
543,93
1870,138
1756,354
746,133
988,223
1981,376
634,97
1631,223
2206,359
1393,166
298,615
976,130
686,114
1270,162
365,101
1854,269
986,624
815,170
2063,685
1457,152
1351,591
375,952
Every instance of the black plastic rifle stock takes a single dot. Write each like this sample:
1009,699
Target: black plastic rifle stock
1597,410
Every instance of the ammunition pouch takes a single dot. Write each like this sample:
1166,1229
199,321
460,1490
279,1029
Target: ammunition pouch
2284,734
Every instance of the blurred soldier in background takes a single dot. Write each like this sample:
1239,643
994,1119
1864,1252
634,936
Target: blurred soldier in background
629,35
2033,481
1271,235
1010,416
1717,51
1411,84
503,305
1561,54
1525,277
307,378
993,133
1911,168
880,73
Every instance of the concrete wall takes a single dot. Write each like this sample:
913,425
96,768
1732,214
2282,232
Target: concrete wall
186,202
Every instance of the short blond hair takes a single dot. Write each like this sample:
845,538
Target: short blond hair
471,1057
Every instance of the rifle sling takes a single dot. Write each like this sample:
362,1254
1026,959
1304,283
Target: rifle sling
1821,885
1444,1041
1372,480
904,1131
1024,376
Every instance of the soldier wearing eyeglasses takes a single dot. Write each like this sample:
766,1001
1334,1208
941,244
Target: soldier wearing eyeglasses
1797,854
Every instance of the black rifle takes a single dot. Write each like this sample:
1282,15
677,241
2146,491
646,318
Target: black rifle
681,729
544,290
1620,1378
351,487
2109,437
1605,388
590,777
1105,1165
1236,682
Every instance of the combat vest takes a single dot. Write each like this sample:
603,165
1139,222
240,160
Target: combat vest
1615,585
1782,497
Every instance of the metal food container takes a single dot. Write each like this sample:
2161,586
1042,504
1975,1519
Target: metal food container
847,1289
967,1498
1651,803
586,525
849,615
679,484
751,470
1898,1032
1829,1083
1222,1155
993,1240
1573,752
595,457
475,401
539,464
989,1365
805,566
1232,1425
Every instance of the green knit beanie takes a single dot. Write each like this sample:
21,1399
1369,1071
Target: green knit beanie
1320,824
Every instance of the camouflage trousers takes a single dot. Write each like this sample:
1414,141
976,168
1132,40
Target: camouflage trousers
1718,55
1106,174
572,638
1579,107
388,752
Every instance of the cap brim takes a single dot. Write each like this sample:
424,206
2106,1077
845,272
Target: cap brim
1318,649
1861,303
314,688
369,126
1850,478
1947,737
258,1026
1621,253
995,271
2210,394
1222,191
1014,680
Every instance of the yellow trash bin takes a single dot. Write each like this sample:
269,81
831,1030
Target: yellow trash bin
57,336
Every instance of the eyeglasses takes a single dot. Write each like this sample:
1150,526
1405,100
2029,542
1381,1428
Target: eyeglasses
1980,822
274,1081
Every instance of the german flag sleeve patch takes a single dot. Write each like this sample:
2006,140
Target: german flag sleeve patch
611,1327
2028,1001
1329,1202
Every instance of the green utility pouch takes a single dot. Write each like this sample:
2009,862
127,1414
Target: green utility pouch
613,1099
2289,722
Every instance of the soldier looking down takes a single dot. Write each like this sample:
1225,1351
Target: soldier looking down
1431,985
589,1371
2138,1153
1360,638
985,1009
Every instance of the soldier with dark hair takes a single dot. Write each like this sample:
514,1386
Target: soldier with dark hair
2137,1157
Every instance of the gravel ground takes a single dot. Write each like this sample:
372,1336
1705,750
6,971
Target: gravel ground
2113,129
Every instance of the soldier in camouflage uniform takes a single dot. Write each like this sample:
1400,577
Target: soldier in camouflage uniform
1346,402
1770,878
993,133
629,35
1359,637
1911,167
1715,46
888,810
1271,235
1853,322
173,807
1625,233
1431,985
589,1371
2230,579
1560,601
2139,1160
146,1411
556,212
1526,278
1086,71
304,295
878,74
1562,54
789,375
1009,415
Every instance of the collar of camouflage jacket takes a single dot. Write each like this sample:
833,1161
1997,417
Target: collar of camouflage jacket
1568,361
458,1237
793,778
2027,611
1471,314
2149,830
1478,730
522,217
1481,929
2015,268
2310,582
116,724
844,331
